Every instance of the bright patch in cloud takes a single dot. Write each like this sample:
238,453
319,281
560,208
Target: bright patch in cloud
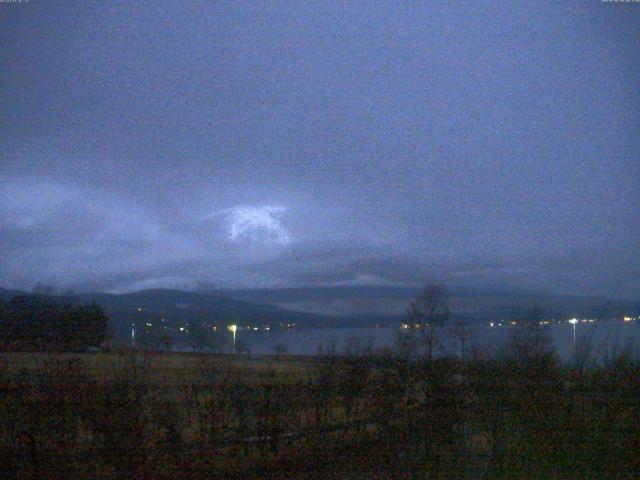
260,224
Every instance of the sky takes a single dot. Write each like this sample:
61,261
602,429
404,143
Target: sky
263,144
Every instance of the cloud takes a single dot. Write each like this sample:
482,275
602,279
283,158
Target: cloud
68,235
71,235
75,236
344,147
257,224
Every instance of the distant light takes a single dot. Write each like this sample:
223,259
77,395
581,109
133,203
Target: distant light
491,324
627,319
233,329
139,309
573,321
182,329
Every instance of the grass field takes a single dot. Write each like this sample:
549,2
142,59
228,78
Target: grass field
162,369
178,415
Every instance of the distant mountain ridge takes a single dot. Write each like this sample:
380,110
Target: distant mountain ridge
179,307
483,302
329,306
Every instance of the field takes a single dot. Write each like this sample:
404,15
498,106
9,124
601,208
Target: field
158,415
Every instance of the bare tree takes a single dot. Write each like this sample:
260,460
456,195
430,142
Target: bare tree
428,314
530,340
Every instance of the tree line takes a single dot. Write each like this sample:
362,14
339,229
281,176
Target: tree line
32,323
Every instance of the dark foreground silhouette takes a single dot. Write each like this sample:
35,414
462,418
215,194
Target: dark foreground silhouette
361,415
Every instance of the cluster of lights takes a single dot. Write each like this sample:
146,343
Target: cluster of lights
514,322
235,328
573,321
255,329
232,328
406,326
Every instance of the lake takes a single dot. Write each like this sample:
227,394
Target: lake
606,336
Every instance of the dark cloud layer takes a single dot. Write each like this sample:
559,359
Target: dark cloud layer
181,144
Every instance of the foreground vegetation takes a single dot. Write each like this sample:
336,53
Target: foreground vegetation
33,323
412,412
359,415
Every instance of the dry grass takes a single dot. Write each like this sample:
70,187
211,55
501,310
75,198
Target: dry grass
163,416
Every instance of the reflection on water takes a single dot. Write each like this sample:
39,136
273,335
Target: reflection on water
605,338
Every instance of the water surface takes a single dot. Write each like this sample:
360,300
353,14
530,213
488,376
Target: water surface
606,338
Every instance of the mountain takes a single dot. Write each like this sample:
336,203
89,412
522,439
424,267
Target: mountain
177,307
481,302
328,306
6,295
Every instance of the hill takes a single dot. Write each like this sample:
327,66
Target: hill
178,307
326,306
479,303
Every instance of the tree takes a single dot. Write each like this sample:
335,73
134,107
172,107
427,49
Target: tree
38,323
428,313
530,341
31,323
